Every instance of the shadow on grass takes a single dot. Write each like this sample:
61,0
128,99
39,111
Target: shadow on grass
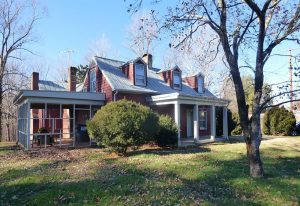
169,151
224,182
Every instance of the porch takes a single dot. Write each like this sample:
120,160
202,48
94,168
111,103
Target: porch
55,118
195,116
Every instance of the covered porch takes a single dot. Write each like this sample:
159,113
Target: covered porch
55,118
195,116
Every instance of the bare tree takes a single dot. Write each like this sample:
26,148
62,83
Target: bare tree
242,25
142,33
100,48
15,35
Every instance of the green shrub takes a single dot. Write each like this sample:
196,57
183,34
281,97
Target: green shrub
168,132
123,124
219,121
278,121
237,125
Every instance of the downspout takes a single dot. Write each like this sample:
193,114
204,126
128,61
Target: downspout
115,95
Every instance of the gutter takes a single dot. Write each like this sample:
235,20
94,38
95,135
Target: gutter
115,95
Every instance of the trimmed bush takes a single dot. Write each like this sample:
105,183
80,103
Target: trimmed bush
168,132
237,125
219,121
278,121
123,124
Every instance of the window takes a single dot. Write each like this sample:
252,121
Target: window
140,77
92,81
176,80
200,84
202,120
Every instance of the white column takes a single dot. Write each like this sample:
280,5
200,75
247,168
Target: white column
61,123
28,127
196,123
74,135
177,119
225,123
90,119
213,123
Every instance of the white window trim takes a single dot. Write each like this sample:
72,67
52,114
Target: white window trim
93,84
137,76
203,128
180,79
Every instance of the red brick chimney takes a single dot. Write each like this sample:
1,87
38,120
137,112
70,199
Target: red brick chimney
192,82
72,79
35,81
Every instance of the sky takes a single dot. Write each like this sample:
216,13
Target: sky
75,25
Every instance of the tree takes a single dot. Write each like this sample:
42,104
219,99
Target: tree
241,25
81,73
142,33
15,35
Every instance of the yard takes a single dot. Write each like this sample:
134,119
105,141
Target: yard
213,174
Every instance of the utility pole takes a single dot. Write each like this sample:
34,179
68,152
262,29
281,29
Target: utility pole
291,81
69,53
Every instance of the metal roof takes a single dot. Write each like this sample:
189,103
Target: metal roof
50,86
111,69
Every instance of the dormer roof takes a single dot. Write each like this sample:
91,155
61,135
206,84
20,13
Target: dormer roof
169,69
118,81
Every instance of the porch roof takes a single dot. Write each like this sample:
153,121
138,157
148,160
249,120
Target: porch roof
59,97
186,99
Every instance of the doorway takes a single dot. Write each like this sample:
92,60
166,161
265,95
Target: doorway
189,123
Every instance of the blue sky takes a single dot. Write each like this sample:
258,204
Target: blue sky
75,25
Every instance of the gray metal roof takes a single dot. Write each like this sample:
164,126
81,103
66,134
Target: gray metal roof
50,86
111,69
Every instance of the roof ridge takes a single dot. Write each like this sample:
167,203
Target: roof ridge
109,59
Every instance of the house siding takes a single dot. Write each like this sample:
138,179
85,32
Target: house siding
206,132
139,98
192,82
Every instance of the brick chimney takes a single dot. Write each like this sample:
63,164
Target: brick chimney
192,82
148,59
35,81
72,79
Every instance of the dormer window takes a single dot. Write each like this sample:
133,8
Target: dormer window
176,79
140,74
200,84
92,81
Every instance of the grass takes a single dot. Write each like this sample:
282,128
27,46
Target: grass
215,174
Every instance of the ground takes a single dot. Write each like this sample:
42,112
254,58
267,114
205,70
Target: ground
213,174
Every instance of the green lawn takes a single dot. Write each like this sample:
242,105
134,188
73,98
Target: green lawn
215,174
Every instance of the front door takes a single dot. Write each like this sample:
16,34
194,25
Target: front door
189,123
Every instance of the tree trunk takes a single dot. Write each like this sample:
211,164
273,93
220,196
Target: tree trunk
253,144
1,100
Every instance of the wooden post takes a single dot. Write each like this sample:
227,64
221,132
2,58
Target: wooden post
196,123
213,123
225,123
28,127
74,136
177,119
61,120
90,119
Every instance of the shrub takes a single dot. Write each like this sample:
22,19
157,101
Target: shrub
219,121
123,124
168,132
237,125
278,121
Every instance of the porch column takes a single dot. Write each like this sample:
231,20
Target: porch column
225,123
28,127
177,118
90,119
196,123
74,135
213,123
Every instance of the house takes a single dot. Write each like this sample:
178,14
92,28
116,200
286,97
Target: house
63,110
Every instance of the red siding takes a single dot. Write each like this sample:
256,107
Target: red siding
165,109
140,98
207,131
167,77
128,70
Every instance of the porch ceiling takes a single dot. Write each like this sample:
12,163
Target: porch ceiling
186,99
59,97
